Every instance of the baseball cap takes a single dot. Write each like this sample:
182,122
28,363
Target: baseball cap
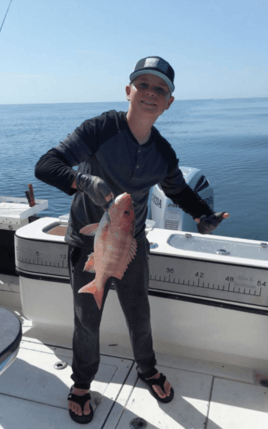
156,66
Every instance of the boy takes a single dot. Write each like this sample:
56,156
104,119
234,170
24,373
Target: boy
119,152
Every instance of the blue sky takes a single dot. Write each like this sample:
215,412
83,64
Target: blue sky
54,51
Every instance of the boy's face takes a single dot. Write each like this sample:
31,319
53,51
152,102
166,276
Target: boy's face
150,94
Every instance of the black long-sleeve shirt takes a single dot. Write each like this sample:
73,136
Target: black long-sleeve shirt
104,146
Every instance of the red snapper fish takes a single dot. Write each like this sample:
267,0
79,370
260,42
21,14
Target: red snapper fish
114,245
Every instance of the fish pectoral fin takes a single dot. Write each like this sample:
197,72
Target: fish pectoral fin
89,229
89,265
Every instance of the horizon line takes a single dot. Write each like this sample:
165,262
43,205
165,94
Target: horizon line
106,102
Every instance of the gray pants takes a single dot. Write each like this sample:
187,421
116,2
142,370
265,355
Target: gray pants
132,292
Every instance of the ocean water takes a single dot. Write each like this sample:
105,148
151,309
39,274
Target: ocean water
226,139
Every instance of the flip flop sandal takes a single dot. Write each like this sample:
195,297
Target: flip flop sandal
159,382
81,400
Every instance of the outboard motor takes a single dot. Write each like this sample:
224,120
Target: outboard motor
168,215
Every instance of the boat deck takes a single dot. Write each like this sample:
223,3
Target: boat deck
208,395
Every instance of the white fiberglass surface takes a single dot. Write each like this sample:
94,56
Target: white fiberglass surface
237,249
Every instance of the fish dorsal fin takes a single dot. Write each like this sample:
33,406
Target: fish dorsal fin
132,251
134,245
89,229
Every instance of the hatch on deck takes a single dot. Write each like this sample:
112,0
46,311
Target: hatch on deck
59,230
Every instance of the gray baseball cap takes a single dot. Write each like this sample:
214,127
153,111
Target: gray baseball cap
156,66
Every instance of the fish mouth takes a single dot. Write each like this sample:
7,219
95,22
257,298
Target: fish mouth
124,201
120,197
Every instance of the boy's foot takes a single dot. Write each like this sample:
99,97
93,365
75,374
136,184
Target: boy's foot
159,387
167,387
81,412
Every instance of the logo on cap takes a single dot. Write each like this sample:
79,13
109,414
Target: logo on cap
157,63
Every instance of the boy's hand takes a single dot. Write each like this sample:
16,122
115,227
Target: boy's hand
207,224
94,187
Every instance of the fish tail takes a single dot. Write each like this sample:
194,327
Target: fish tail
89,288
98,295
92,288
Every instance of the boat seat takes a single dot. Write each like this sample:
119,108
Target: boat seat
10,337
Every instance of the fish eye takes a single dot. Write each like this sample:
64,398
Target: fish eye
126,212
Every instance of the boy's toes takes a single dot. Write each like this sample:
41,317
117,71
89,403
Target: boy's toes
159,391
75,408
87,409
167,388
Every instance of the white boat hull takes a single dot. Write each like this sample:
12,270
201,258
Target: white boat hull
196,320
210,341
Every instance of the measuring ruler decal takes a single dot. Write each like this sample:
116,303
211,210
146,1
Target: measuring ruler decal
235,283
42,258
43,261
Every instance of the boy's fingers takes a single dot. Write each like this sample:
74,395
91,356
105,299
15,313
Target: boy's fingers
208,224
224,215
109,197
